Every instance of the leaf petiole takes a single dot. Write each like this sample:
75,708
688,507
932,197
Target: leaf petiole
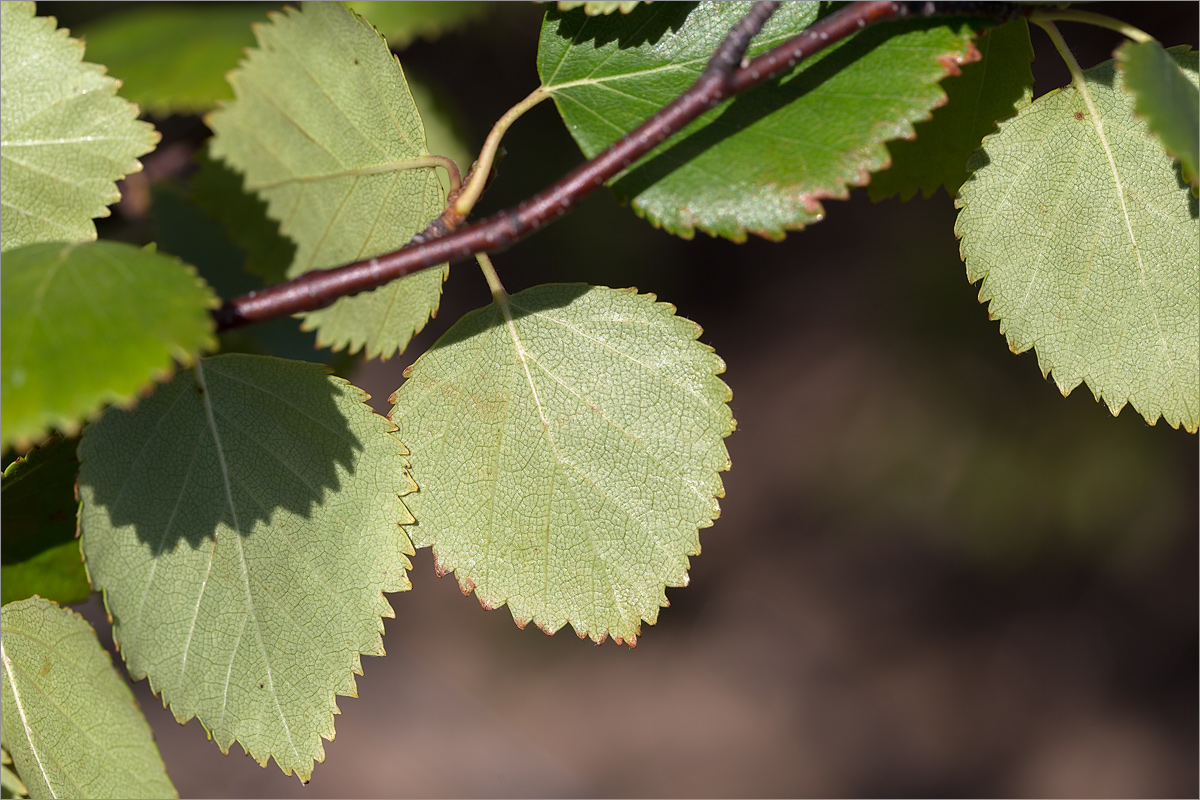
1090,18
477,179
493,279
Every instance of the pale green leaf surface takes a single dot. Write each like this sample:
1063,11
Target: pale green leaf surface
243,522
10,784
991,89
568,448
70,721
38,552
596,7
403,22
763,161
172,59
1166,99
91,323
321,127
65,137
1085,240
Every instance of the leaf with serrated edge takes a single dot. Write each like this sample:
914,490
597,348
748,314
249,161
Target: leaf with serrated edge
39,553
70,721
569,443
988,90
1085,241
243,523
91,323
65,137
761,162
321,127
597,7
1166,99
172,59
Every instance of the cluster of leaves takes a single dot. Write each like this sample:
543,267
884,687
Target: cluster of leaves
244,515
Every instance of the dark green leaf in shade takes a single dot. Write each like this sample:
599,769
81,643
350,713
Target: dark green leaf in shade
325,129
172,58
243,523
38,552
218,191
763,161
569,443
1166,99
1084,238
70,722
65,137
91,323
991,89
401,23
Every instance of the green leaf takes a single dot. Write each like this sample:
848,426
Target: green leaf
597,7
87,324
70,721
762,162
401,23
991,89
172,59
324,128
218,191
568,441
10,784
65,138
39,553
1166,99
243,522
1085,239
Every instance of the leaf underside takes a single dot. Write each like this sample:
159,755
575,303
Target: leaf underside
321,125
70,721
762,162
91,323
568,446
991,89
65,137
38,552
1166,99
243,523
1084,236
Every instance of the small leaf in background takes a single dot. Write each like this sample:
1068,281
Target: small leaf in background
70,722
761,162
243,522
596,7
401,23
39,553
321,126
91,323
568,443
1086,246
1166,99
991,89
65,137
172,59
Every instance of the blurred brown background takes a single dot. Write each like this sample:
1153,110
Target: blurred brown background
932,575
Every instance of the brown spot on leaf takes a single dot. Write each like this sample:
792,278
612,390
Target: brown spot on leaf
1079,115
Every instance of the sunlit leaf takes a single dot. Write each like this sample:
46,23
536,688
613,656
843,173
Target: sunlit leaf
243,522
595,7
65,137
988,90
70,721
763,161
568,443
91,323
1085,239
1166,99
39,553
324,128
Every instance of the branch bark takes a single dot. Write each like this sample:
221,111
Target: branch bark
726,74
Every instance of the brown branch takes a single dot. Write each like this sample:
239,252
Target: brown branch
725,75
